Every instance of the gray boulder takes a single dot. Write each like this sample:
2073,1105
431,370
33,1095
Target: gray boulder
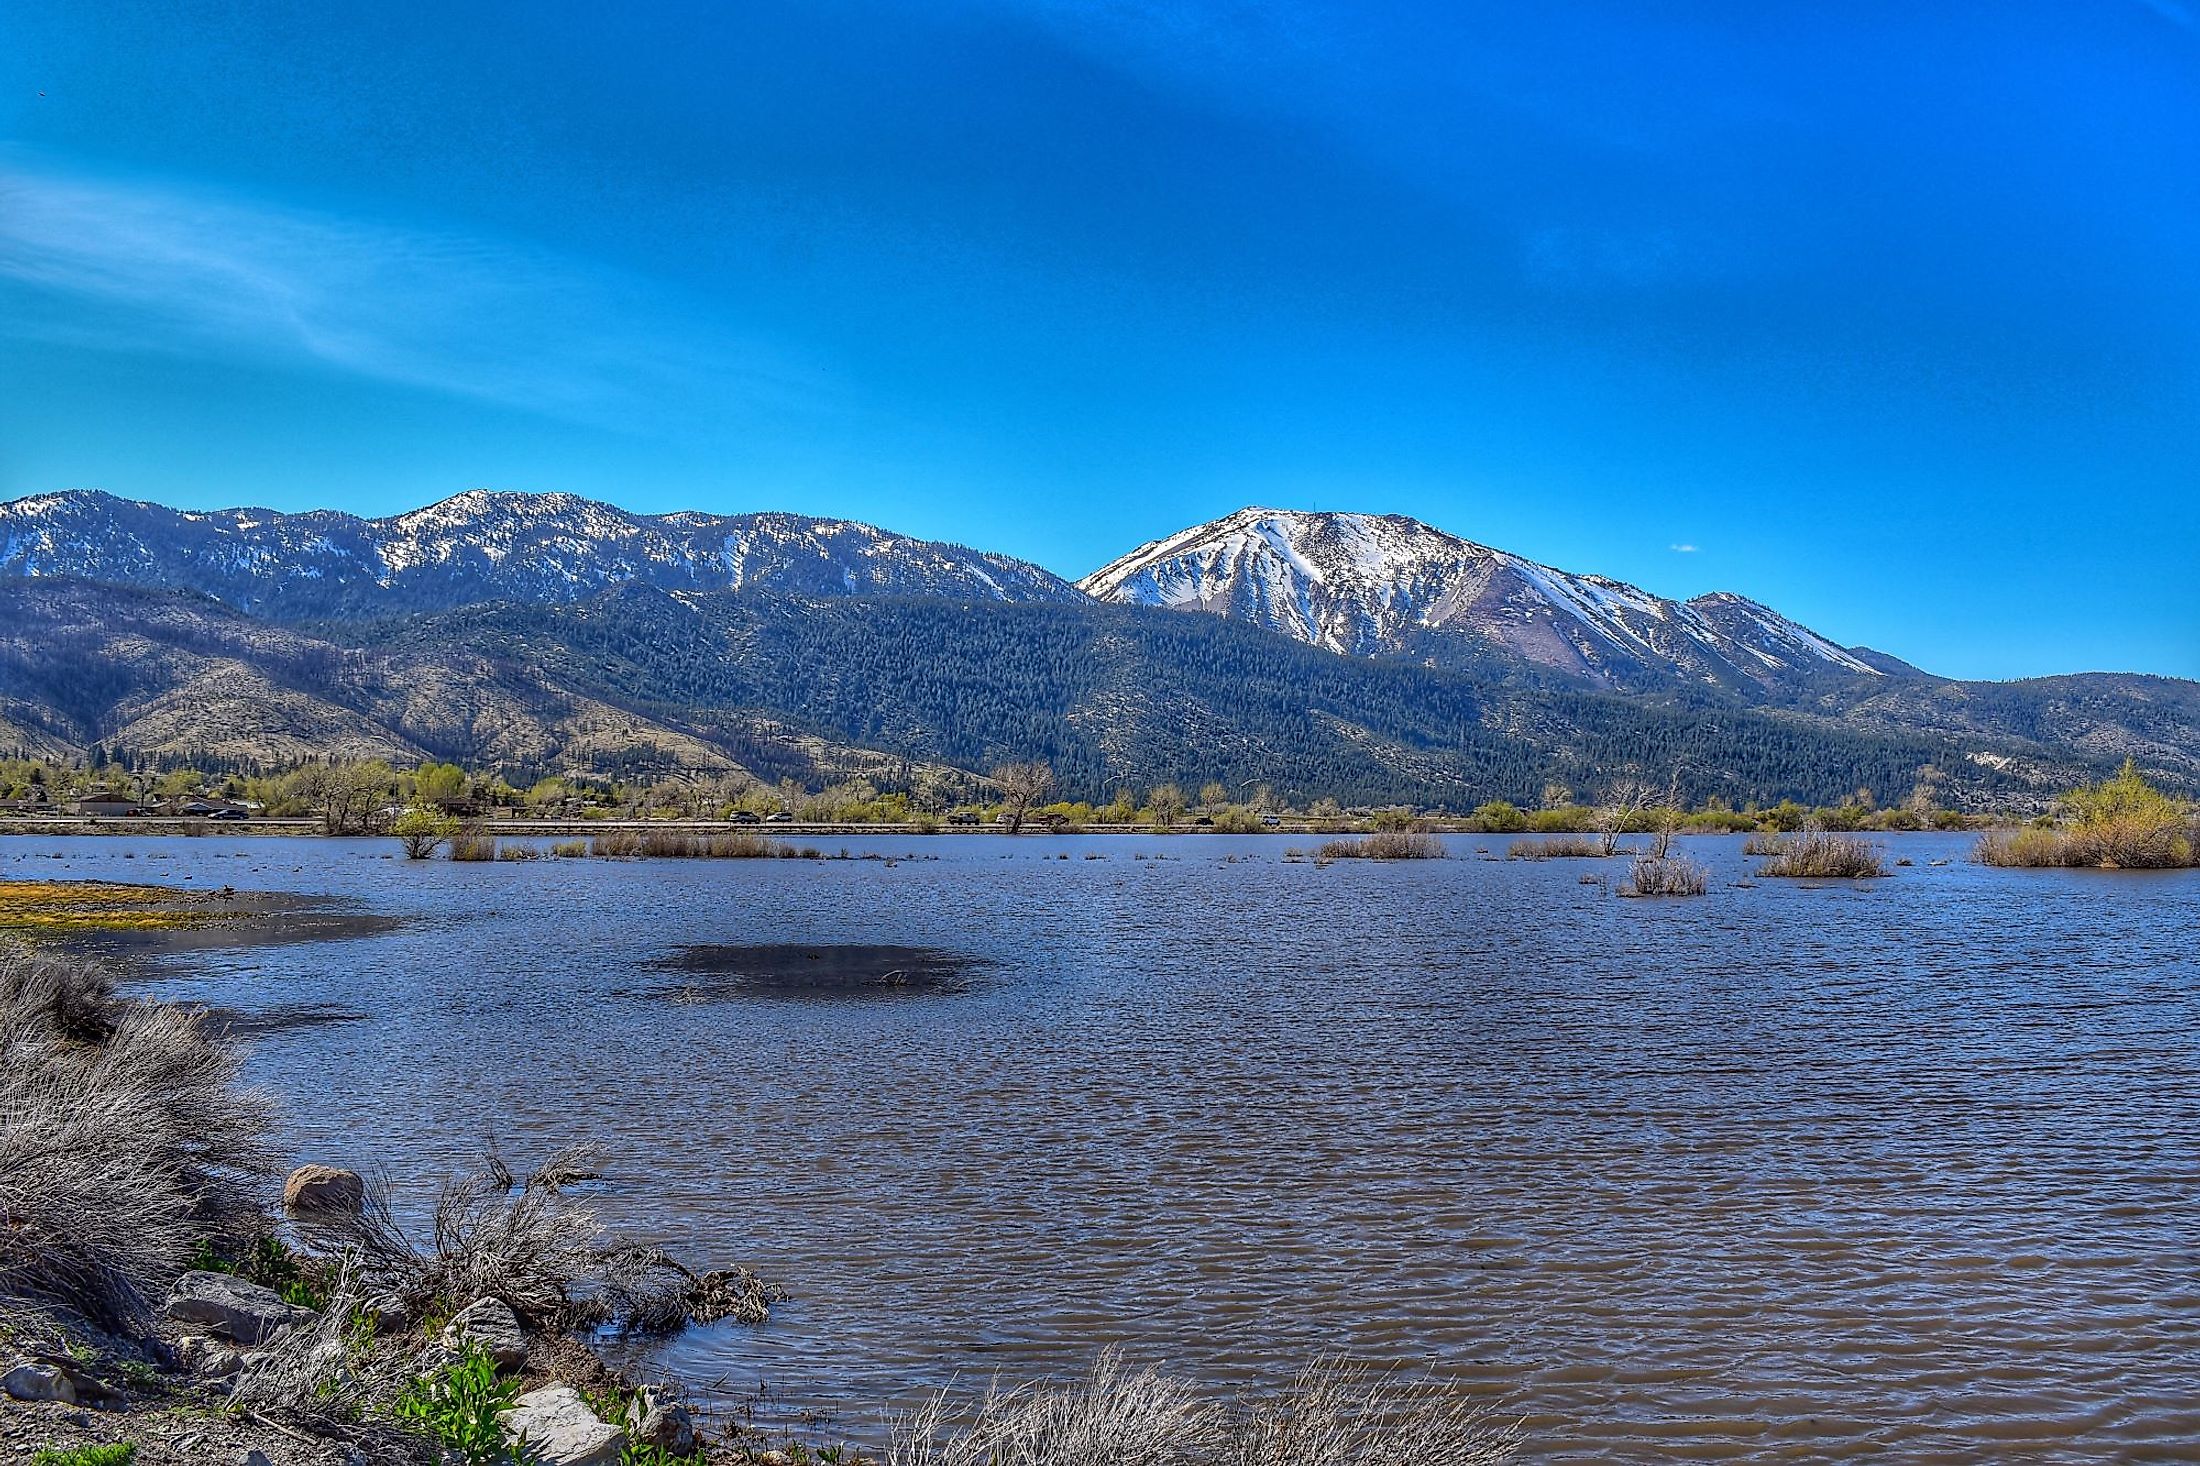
490,1326
48,1377
654,1418
231,1308
559,1429
30,1380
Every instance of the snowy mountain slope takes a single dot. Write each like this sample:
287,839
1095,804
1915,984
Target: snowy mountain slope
483,546
1368,584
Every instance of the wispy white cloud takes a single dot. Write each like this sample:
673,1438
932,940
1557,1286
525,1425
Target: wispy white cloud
2176,13
136,267
1682,549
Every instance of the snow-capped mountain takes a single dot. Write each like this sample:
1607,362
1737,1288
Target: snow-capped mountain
1384,584
483,546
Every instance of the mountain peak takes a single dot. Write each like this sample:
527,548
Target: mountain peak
1388,584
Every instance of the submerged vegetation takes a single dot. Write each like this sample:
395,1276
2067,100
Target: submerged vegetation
2123,823
35,907
1820,855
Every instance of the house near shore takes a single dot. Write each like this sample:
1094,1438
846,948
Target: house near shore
109,806
218,809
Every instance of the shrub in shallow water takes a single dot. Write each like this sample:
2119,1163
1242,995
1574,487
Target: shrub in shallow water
1572,848
1822,855
2123,823
1666,875
1386,845
569,849
473,847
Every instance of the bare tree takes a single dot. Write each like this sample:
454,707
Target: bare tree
1022,786
1623,805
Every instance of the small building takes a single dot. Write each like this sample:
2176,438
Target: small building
218,809
113,806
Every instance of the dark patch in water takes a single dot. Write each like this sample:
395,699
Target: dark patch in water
792,970
261,1022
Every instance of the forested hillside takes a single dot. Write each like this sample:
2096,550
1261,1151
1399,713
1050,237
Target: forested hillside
814,689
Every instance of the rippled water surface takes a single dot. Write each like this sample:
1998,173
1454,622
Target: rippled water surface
1905,1171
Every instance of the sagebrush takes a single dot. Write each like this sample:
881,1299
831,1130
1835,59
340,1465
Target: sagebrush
125,1141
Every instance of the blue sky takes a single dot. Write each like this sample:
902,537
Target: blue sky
1887,315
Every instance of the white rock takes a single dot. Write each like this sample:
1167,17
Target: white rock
559,1429
33,1381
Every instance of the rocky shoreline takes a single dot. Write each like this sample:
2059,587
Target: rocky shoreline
158,1303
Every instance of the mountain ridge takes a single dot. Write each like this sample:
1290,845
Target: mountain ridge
479,546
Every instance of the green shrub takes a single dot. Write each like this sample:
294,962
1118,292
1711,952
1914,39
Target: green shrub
457,1408
121,1454
2123,823
1498,818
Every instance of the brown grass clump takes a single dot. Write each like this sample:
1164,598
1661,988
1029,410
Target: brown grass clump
1563,848
690,844
2029,849
1386,845
473,847
1819,855
1666,875
1332,1415
124,1141
1764,842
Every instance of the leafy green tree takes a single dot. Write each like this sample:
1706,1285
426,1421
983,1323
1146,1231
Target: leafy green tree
442,785
1500,817
422,830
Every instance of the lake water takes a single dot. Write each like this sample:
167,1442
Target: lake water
1905,1170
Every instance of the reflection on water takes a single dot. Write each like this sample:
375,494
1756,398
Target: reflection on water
1904,1170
